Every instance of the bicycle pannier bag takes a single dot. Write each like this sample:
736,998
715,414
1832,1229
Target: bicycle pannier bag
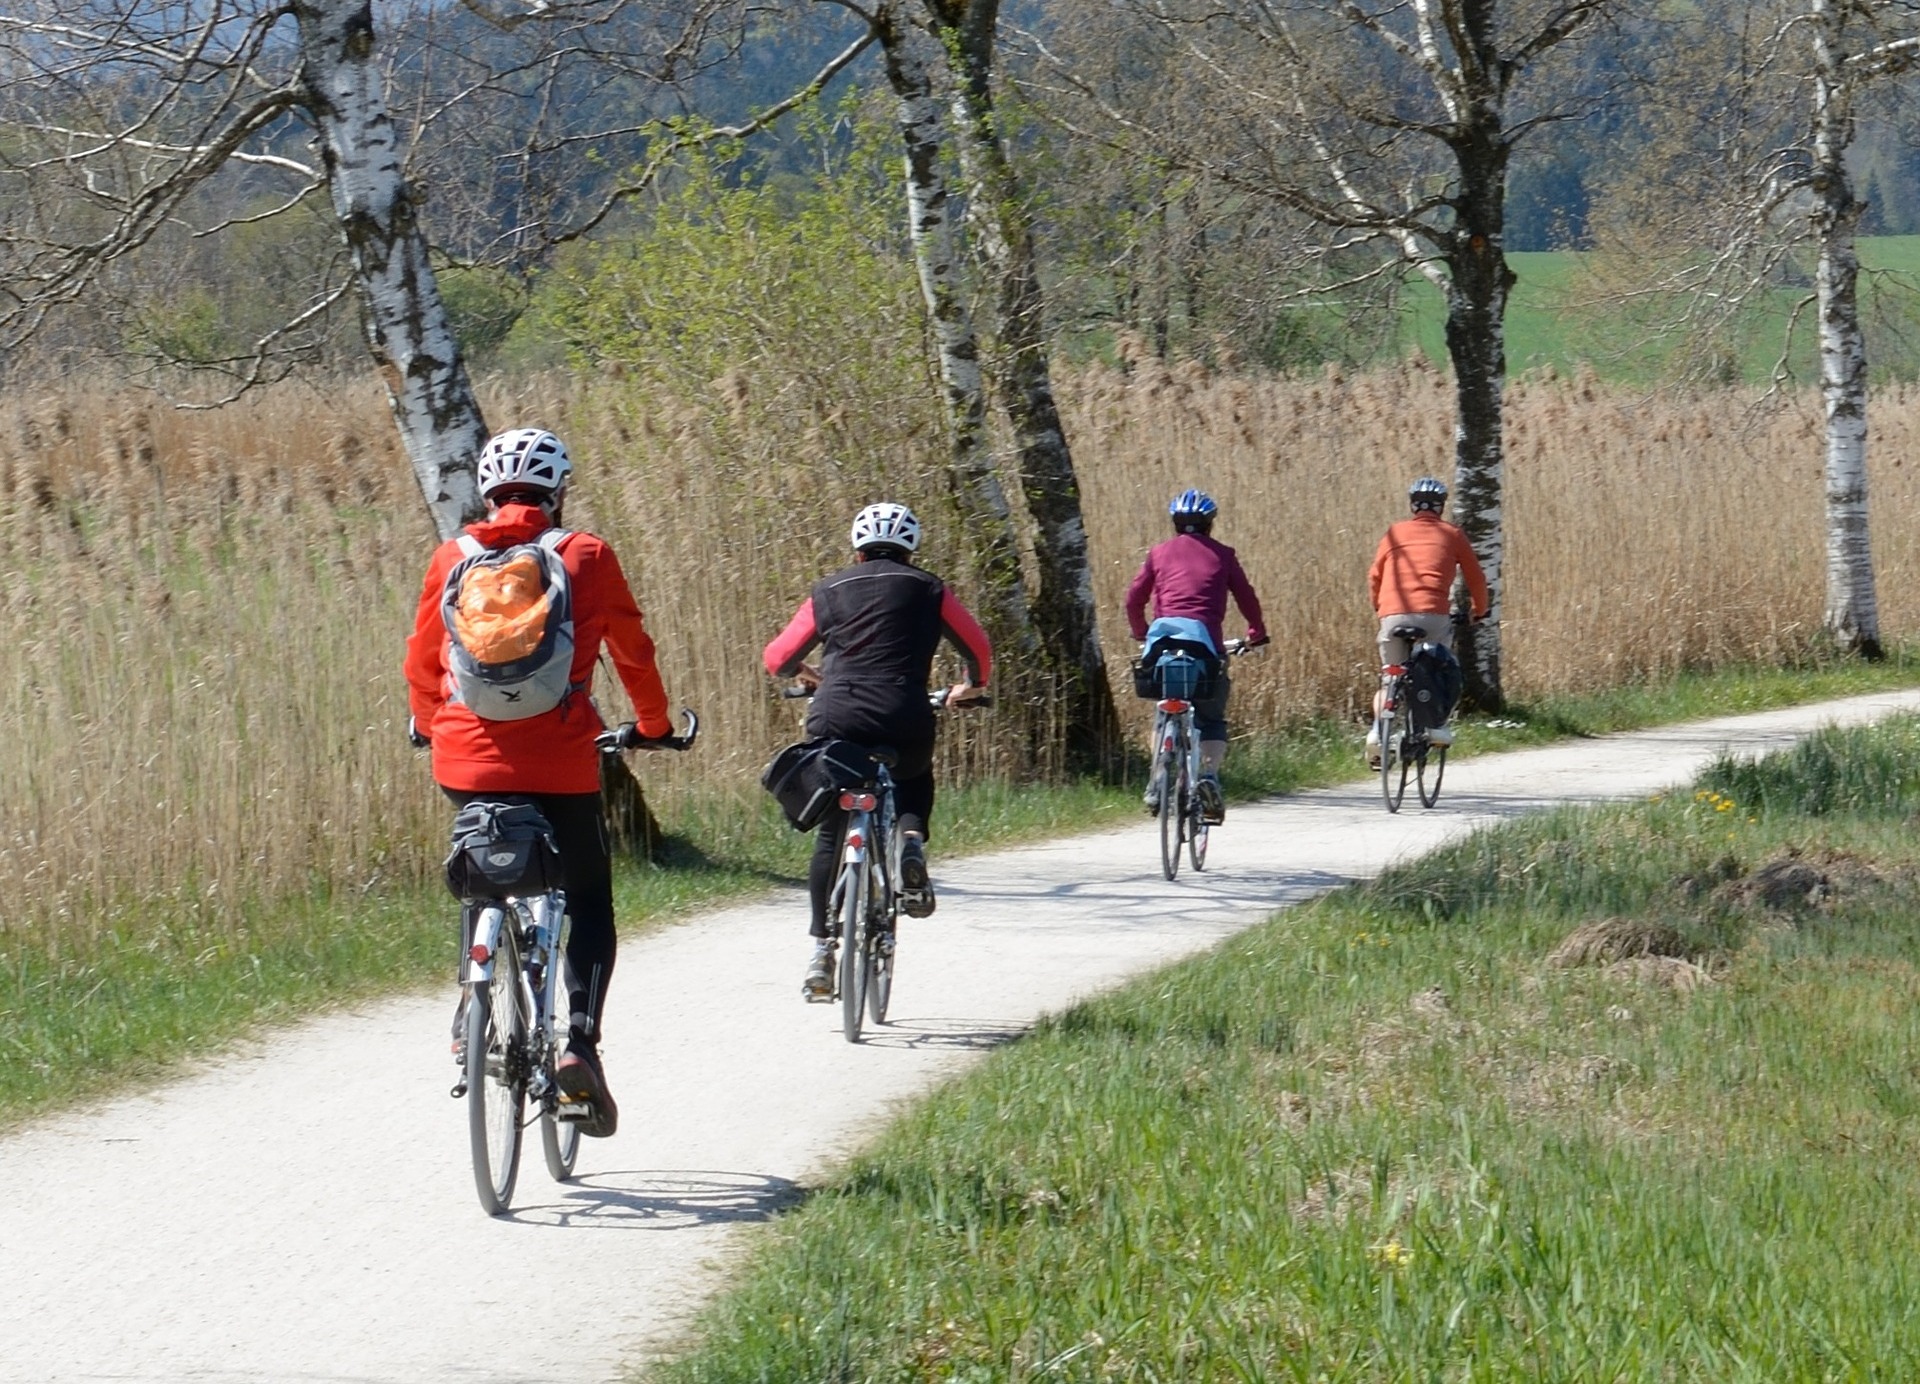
1434,683
502,850
805,778
509,619
1182,676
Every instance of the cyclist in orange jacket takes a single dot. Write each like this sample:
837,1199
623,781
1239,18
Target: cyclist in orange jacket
1411,583
551,759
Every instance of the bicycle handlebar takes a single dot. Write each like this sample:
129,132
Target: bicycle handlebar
939,701
626,736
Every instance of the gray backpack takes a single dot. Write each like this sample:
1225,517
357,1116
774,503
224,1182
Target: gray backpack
509,619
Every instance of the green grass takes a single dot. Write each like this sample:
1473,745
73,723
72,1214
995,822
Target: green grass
1382,1138
1554,322
166,990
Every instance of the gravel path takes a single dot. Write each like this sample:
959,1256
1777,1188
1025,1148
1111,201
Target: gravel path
303,1210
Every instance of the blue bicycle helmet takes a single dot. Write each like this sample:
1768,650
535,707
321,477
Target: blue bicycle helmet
1427,493
1193,509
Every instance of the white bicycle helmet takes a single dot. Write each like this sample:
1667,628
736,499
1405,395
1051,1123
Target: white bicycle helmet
1427,493
529,457
885,525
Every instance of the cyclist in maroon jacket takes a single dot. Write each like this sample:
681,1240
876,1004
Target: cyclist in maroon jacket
1190,577
880,622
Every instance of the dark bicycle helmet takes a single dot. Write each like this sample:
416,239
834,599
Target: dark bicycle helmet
1427,493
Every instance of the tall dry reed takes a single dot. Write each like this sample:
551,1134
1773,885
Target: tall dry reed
203,703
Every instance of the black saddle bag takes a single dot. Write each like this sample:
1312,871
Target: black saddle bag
806,777
502,850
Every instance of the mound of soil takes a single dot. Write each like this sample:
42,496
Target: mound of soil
1619,939
1809,879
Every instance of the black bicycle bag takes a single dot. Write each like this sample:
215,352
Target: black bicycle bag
502,850
1435,680
806,777
1178,668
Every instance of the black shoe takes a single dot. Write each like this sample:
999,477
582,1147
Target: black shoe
582,1082
916,890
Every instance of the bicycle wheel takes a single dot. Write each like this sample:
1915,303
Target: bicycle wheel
880,945
1173,808
496,1078
1394,768
854,884
560,1141
1197,829
1434,759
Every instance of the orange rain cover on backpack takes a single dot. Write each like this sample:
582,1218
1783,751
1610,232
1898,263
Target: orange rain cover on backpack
502,611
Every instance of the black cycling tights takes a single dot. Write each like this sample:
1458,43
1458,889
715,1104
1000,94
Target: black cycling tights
912,805
580,831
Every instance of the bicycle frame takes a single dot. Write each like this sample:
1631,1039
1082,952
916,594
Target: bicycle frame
537,923
1176,768
1173,727
1404,750
869,865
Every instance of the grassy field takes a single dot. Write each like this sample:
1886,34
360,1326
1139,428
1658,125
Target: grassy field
1561,319
1612,1094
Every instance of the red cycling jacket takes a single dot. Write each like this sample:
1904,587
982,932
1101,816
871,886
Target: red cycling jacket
552,752
881,622
1413,569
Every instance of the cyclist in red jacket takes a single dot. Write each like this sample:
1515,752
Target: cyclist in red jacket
1190,577
880,622
549,759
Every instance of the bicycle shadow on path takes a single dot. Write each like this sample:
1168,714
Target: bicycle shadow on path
941,1034
657,1199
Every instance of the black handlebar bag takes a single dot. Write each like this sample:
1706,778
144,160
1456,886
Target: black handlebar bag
502,850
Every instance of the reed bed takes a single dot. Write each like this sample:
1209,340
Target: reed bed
203,700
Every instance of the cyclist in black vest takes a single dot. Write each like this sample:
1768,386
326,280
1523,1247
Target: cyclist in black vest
880,622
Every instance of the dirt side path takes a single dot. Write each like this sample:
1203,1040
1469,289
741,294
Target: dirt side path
303,1211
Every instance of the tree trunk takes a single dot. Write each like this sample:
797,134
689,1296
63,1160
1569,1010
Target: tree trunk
1064,614
408,331
1479,282
406,323
976,485
1852,614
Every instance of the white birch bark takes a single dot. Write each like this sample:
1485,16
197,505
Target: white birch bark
1852,609
407,327
1002,241
976,483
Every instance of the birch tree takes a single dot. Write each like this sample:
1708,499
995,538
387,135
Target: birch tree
931,212
1003,243
123,120
935,49
1759,111
1850,44
1390,125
